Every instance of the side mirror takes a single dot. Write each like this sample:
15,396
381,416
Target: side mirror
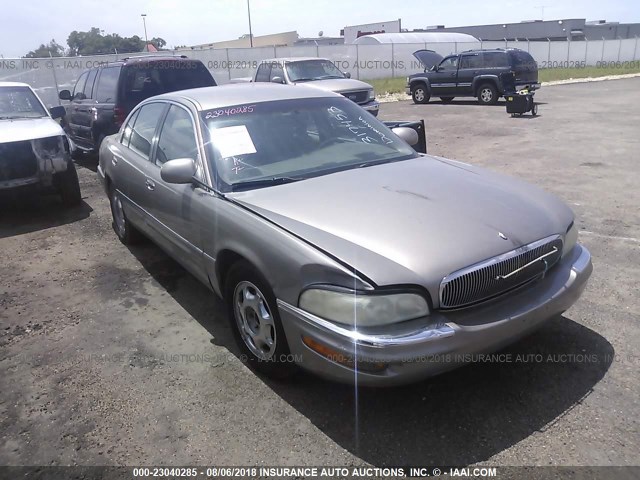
180,170
277,80
407,134
57,112
64,95
347,74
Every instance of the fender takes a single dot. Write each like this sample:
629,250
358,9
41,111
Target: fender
424,79
480,79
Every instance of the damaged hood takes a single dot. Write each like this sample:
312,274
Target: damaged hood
412,221
19,129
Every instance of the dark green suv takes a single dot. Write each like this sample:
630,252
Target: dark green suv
484,74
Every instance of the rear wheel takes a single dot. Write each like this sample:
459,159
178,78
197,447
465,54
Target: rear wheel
69,186
256,323
487,94
446,99
127,233
420,94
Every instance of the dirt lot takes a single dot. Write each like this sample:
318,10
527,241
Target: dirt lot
111,355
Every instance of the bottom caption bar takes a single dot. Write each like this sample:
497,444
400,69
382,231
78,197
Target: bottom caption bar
331,472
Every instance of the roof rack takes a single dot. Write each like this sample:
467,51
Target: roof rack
153,56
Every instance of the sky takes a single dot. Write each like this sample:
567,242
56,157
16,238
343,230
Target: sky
24,25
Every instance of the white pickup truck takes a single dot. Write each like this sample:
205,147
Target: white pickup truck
315,72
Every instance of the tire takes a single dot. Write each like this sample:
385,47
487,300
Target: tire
420,94
69,186
126,232
446,99
487,94
77,154
534,110
255,322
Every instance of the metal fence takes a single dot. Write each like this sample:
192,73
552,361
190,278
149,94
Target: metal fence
50,75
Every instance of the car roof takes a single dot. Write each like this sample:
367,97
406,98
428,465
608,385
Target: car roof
14,84
207,98
291,59
140,59
495,50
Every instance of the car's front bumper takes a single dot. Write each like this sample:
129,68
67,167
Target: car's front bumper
373,107
450,338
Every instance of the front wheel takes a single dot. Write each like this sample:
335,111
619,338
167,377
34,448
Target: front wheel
534,110
487,94
420,94
256,323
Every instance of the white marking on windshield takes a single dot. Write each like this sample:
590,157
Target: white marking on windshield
360,128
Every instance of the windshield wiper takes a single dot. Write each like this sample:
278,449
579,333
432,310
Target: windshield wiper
374,163
262,182
305,79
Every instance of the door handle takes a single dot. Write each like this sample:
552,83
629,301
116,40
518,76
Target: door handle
150,184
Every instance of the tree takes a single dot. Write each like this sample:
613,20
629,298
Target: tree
51,49
94,42
158,42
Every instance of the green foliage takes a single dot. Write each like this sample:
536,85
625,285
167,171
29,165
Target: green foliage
95,42
51,49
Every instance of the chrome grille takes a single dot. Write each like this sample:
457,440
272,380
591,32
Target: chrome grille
358,97
500,274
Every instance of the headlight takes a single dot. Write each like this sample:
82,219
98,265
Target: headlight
351,308
372,94
49,146
570,239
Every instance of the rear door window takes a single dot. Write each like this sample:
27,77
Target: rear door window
145,127
106,90
126,134
88,87
78,89
495,59
471,61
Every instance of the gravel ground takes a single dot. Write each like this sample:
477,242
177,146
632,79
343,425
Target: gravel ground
117,356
